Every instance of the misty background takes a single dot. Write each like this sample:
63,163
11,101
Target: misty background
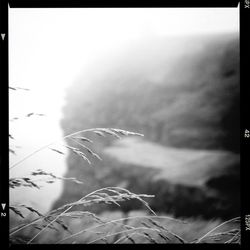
171,74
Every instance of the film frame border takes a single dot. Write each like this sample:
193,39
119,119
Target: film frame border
244,9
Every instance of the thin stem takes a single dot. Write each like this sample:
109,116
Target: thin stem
51,143
48,225
126,236
231,240
66,210
124,231
117,220
222,224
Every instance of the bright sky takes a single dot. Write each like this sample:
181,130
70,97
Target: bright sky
50,48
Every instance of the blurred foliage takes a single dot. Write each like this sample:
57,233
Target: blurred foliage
181,93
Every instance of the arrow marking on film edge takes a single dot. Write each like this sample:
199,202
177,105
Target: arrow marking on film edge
2,35
3,205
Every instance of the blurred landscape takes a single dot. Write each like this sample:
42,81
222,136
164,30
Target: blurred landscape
182,93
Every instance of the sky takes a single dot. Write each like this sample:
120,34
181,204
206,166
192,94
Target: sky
49,49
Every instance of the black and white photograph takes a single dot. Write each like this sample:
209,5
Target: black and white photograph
124,125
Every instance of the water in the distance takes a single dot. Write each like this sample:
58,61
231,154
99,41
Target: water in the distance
50,48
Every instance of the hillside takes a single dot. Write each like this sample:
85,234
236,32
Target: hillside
183,95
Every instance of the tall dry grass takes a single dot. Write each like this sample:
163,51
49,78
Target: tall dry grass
58,226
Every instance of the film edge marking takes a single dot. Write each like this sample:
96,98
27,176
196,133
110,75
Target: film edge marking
3,36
